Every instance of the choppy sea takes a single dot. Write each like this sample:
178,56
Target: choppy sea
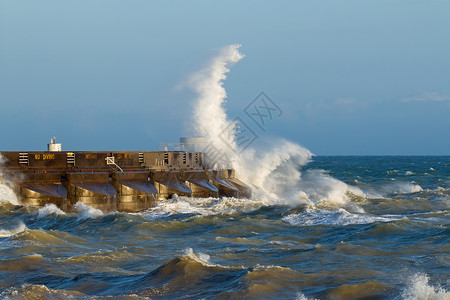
387,237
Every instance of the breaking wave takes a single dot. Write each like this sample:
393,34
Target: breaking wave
202,206
420,288
185,276
12,231
402,188
6,192
86,211
49,209
29,291
272,169
313,217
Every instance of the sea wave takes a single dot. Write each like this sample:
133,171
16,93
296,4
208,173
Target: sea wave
18,228
364,290
313,217
194,276
87,212
49,209
419,288
7,194
30,291
403,188
202,206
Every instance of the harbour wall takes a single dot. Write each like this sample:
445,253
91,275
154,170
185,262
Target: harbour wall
114,181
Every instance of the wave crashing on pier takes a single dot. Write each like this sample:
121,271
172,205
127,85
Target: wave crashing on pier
316,227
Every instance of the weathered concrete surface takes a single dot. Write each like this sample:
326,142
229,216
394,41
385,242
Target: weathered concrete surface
244,190
170,183
199,184
135,192
93,189
225,188
134,180
41,189
172,160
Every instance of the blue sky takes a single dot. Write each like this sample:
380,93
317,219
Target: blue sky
351,77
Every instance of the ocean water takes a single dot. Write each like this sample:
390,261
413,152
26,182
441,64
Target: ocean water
356,228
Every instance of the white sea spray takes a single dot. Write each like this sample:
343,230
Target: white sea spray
271,168
314,217
6,192
86,212
419,288
49,209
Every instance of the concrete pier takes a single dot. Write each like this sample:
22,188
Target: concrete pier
115,181
170,183
135,192
244,190
199,184
42,189
93,189
226,189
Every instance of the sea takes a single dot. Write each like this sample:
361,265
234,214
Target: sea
359,227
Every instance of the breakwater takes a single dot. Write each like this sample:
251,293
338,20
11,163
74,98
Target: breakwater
114,181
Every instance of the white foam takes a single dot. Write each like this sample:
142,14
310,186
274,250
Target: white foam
201,258
202,206
210,119
273,168
15,230
392,172
419,288
86,211
6,192
300,296
313,217
49,209
403,188
409,173
316,187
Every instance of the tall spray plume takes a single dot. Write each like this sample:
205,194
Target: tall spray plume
273,167
210,119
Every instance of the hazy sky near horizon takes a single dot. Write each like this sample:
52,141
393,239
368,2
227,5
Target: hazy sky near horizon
351,77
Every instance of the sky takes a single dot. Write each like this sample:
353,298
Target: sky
349,77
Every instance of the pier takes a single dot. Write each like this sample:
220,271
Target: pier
114,181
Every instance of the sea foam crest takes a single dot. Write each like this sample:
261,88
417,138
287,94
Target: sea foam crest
201,257
49,209
420,288
403,188
300,296
324,189
313,217
202,206
86,211
15,230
